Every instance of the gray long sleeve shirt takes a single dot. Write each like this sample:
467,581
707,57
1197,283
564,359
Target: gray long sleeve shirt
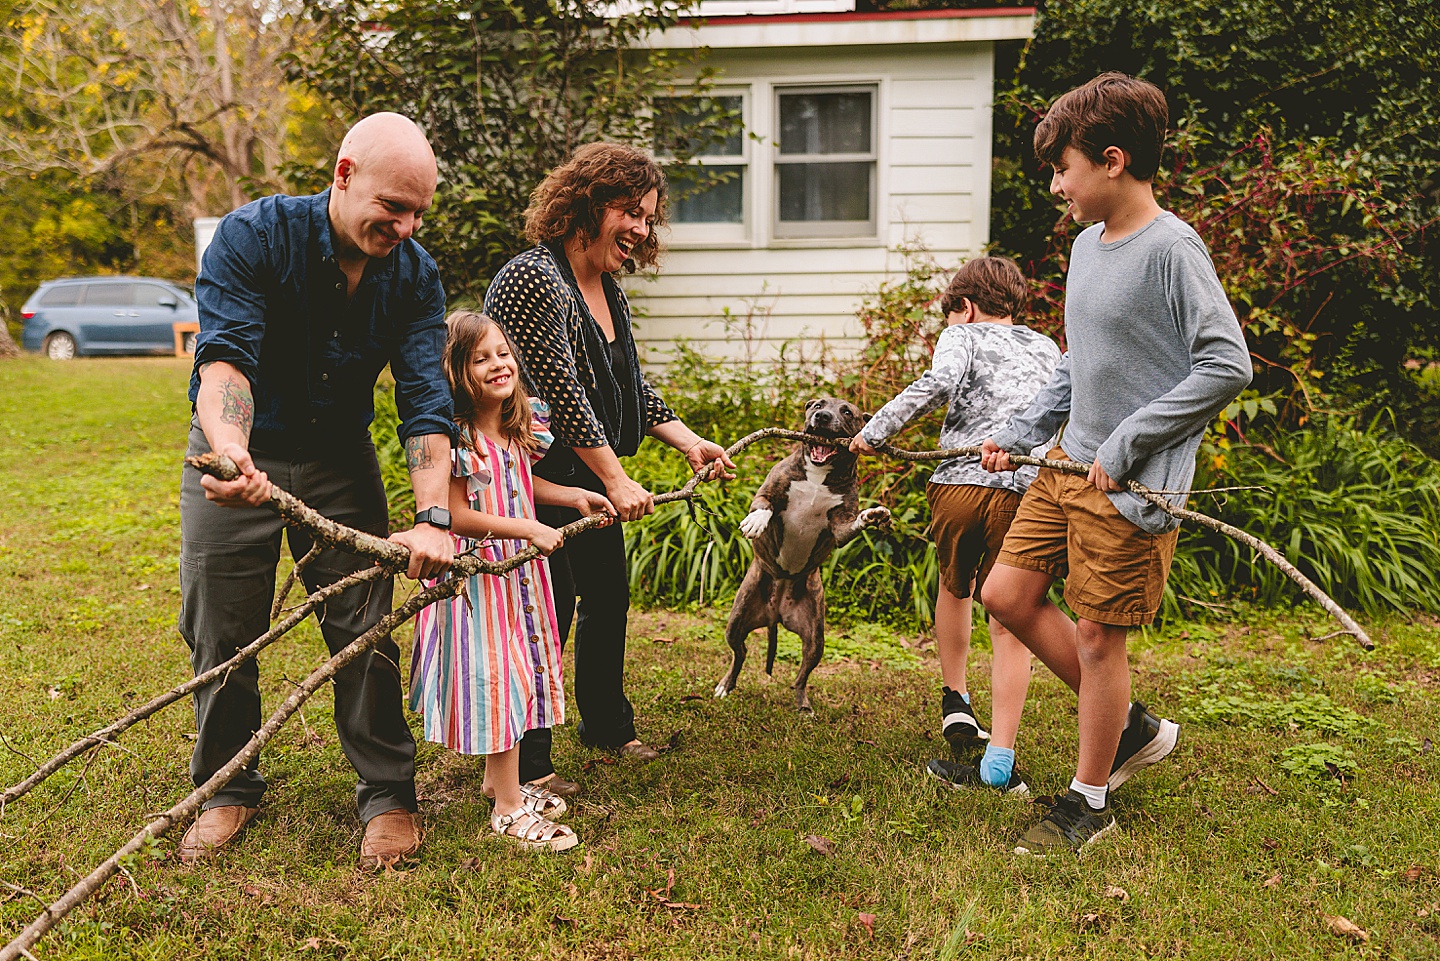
1155,352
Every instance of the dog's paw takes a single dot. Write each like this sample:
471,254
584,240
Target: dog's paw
721,690
876,517
756,521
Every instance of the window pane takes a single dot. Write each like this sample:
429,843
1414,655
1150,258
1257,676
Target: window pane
716,203
677,118
107,295
821,123
67,296
825,191
149,295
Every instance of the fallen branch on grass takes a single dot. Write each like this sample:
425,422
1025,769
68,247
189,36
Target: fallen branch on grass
103,736
71,899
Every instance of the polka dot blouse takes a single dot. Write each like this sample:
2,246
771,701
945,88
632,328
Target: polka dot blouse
546,317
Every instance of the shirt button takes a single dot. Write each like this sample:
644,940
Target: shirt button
334,333
324,376
524,580
534,638
339,286
314,420
529,608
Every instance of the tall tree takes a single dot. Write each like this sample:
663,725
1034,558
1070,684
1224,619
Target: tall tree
132,93
506,90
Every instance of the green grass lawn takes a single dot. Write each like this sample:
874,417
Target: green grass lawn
1239,846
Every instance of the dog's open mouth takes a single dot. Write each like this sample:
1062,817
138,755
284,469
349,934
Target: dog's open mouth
820,453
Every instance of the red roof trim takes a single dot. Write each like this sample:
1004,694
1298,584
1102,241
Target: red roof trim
853,17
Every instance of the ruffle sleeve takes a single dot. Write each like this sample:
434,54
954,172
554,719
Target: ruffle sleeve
540,423
471,464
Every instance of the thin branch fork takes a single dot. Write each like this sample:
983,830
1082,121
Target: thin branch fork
104,735
57,910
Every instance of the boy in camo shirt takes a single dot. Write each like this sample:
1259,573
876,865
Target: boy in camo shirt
987,369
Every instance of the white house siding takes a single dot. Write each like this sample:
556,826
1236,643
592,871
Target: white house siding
933,140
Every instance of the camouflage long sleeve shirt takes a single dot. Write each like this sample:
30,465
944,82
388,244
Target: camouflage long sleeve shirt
987,373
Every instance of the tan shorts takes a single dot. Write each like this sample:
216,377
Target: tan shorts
968,525
1114,572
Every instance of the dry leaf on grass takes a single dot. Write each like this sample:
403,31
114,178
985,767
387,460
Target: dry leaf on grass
1413,874
1273,881
867,921
585,866
820,845
1345,928
1118,893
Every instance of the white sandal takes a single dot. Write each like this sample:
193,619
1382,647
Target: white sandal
540,800
533,832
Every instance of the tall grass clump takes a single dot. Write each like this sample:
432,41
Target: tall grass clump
1352,505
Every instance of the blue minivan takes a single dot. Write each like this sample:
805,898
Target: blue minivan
77,316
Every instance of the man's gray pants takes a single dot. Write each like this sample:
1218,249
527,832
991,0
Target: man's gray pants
228,557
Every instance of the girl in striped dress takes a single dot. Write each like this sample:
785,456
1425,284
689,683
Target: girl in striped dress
486,664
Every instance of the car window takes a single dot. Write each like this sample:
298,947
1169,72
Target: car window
150,295
108,295
67,295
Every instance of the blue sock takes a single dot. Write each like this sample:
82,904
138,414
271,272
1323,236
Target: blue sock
997,765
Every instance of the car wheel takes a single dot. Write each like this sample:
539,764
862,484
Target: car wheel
187,344
60,346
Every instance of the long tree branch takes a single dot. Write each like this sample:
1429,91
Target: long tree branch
156,704
54,912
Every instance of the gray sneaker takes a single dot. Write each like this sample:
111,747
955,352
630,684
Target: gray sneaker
1148,739
967,776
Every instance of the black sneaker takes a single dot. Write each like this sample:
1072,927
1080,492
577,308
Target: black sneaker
1148,739
1069,826
961,776
958,723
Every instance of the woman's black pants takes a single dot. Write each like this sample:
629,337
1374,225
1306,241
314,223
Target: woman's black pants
591,580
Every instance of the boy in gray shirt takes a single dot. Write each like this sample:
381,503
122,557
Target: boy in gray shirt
987,369
1155,352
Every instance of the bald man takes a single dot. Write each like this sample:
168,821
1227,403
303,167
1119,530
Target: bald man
303,301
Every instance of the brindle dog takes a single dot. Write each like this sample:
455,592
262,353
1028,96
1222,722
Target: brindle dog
806,508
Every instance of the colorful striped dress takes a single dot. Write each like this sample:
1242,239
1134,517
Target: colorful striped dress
485,667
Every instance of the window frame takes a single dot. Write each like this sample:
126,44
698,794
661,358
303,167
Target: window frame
723,234
789,231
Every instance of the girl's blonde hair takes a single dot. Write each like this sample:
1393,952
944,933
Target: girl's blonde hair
467,328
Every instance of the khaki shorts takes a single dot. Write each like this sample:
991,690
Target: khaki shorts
1114,572
968,525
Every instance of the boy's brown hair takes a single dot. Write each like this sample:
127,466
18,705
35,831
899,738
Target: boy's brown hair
1113,110
465,330
993,284
571,201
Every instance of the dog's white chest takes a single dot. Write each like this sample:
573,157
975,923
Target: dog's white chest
806,514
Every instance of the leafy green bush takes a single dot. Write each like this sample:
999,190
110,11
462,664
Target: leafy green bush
1355,508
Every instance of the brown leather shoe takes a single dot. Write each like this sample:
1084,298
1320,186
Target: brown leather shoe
639,751
214,829
390,838
556,784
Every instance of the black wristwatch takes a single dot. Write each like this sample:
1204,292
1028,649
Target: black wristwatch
435,517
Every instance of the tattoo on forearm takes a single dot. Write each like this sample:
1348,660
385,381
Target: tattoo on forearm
417,454
237,406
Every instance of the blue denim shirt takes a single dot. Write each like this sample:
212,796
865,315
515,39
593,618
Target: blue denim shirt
272,303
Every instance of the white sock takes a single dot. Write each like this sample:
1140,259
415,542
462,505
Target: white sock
1093,795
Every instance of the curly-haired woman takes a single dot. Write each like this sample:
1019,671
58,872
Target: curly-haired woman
592,217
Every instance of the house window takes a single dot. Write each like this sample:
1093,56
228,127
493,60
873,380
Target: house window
825,163
707,192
